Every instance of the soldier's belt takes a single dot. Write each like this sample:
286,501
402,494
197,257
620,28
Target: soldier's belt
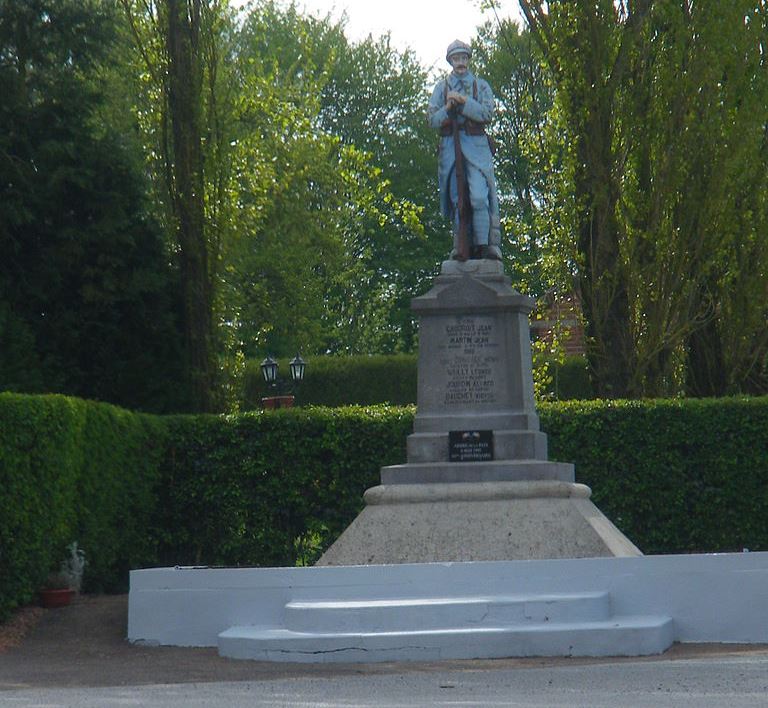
469,128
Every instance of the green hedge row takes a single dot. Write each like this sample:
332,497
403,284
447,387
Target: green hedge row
276,488
570,380
368,380
676,476
342,381
74,470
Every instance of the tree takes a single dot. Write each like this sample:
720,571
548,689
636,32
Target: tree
86,294
662,110
722,167
375,99
364,103
181,21
304,267
290,209
179,42
587,48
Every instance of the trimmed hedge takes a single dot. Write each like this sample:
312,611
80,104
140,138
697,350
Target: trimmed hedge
675,476
570,380
274,488
680,476
74,470
343,381
277,488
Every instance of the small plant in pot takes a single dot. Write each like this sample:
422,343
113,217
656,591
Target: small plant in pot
56,592
62,585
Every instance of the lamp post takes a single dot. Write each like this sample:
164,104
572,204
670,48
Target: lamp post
281,399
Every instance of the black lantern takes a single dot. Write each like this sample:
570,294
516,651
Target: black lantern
297,368
269,370
282,395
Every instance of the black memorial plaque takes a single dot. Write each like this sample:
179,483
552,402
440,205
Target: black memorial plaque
470,445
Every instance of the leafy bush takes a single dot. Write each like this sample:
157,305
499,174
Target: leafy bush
369,380
73,470
570,380
277,488
266,489
676,476
343,381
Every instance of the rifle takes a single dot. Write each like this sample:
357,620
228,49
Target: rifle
461,188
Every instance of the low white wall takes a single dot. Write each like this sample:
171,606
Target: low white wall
712,598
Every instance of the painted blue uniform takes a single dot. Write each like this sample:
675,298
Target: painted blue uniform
485,228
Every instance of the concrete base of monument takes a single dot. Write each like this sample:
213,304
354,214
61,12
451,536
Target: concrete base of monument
485,521
491,471
433,611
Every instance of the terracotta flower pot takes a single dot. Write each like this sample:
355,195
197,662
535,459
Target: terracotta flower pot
58,597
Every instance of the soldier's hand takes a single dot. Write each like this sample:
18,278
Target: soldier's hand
456,97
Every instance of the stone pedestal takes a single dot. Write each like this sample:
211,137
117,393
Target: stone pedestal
477,484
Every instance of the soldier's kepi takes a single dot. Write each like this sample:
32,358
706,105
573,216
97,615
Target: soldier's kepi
460,108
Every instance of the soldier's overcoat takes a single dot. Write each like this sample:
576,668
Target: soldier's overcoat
475,148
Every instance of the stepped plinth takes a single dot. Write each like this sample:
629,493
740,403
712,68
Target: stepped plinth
477,484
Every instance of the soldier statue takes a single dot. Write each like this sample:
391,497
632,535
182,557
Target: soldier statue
460,108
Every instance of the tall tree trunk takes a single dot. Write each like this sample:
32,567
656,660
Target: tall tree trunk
706,372
588,50
602,281
185,80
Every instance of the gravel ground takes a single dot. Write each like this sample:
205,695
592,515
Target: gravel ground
19,626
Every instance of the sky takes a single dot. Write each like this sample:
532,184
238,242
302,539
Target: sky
426,26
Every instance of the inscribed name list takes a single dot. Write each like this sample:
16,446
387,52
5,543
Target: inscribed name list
468,354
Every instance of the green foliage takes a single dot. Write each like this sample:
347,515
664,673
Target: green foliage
371,98
675,476
631,167
343,381
307,240
369,380
274,488
568,380
329,240
116,502
74,470
86,295
277,488
178,90
654,188
375,99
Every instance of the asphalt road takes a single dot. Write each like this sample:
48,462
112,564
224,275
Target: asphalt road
712,682
77,656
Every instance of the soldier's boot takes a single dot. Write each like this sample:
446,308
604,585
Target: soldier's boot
492,253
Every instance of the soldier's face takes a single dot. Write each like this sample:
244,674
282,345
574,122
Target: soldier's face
460,62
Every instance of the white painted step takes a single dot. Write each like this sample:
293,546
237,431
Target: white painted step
619,636
391,615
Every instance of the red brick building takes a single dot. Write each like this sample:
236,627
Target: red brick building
553,308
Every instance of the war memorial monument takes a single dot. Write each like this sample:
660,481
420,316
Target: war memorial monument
478,546
478,484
